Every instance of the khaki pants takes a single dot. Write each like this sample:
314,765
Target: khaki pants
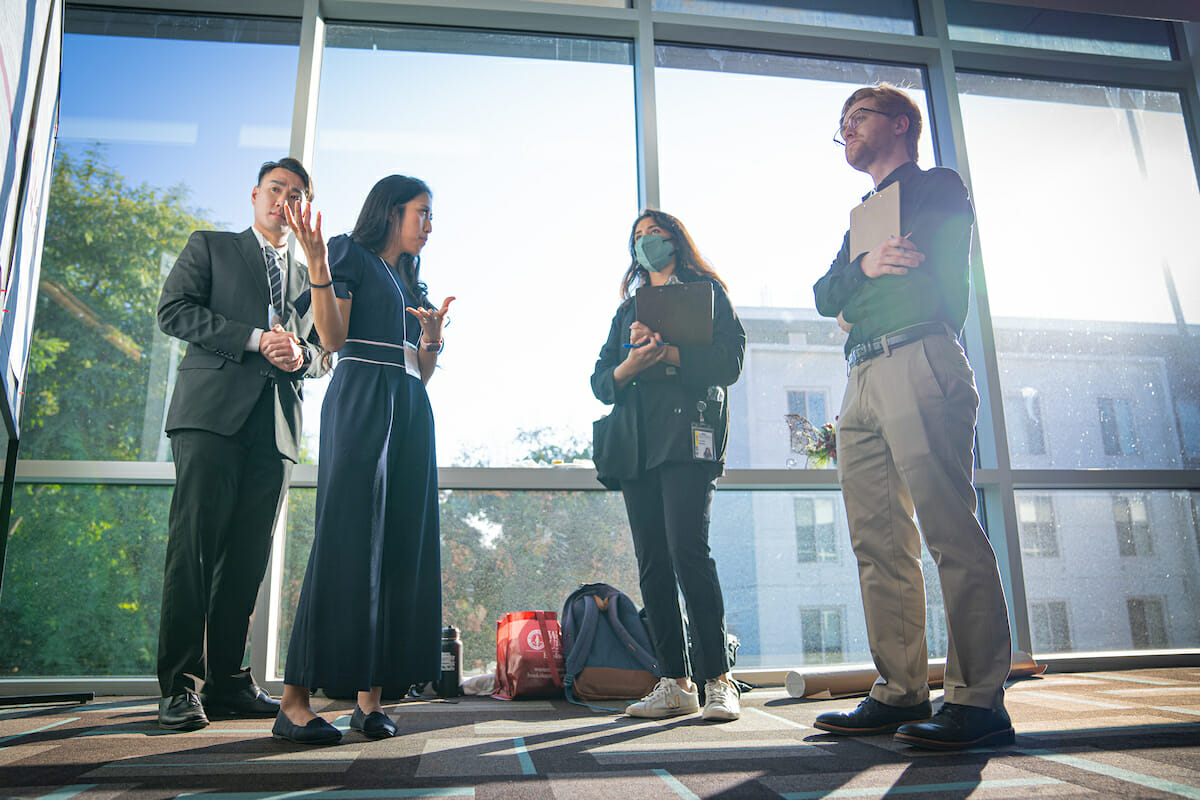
905,442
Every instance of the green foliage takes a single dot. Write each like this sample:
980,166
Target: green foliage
83,578
518,551
90,373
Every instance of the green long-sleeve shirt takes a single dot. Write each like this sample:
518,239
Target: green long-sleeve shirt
935,209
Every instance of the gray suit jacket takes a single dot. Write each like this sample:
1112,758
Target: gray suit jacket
214,296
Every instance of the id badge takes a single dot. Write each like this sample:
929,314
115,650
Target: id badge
703,443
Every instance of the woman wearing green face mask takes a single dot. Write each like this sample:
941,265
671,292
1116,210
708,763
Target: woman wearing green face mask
663,446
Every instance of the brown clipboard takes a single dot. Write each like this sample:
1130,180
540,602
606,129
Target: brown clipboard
874,220
681,313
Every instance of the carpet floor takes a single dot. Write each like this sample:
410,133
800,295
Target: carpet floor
1088,735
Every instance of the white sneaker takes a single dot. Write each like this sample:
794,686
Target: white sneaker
668,699
722,701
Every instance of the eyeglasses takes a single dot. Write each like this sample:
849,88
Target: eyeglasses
853,121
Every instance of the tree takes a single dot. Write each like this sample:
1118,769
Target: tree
84,574
92,360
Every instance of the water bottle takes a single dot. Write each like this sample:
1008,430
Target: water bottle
450,684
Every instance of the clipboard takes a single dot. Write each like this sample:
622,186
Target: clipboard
874,220
682,313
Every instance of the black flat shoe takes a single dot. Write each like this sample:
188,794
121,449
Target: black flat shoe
872,717
958,727
376,725
251,701
317,731
181,712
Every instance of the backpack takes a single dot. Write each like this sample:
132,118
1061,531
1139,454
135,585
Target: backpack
607,647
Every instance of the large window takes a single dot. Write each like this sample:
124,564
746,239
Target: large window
1104,577
529,146
537,135
146,154
1093,280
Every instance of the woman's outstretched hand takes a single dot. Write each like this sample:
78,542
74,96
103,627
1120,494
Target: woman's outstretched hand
432,320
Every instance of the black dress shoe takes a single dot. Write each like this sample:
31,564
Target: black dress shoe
957,727
872,717
251,701
317,731
181,712
376,725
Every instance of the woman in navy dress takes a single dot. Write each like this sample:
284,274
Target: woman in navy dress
370,611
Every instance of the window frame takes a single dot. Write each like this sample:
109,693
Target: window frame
933,50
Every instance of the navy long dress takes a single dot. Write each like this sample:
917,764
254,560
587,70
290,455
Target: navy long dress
370,610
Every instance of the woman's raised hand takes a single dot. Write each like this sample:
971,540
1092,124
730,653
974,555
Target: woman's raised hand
308,234
432,320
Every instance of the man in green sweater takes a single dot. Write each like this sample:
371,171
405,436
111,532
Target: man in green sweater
905,443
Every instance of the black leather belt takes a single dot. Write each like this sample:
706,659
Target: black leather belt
890,341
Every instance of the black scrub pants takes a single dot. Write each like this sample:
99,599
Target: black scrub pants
669,509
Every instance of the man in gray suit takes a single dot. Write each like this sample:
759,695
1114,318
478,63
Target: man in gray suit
234,424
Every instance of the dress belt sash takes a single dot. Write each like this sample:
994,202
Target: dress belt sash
383,354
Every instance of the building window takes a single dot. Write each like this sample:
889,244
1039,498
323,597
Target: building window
1023,412
1147,622
810,404
1116,426
1049,627
815,531
1039,531
1132,519
821,633
936,637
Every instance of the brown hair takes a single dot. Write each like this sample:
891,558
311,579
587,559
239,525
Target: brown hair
895,103
687,257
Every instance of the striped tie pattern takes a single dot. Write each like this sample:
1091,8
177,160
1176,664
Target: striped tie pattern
275,278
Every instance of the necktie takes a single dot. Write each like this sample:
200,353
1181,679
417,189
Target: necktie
275,278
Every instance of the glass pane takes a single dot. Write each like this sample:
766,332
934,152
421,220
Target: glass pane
744,182
145,156
1093,281
533,167
513,551
791,598
501,552
1067,31
884,16
83,580
1123,575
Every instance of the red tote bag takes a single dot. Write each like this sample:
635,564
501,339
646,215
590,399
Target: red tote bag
529,657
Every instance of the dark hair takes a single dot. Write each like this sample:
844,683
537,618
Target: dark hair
374,225
687,257
291,165
895,103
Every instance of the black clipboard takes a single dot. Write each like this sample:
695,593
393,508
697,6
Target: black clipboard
681,313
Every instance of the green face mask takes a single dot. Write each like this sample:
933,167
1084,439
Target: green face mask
653,251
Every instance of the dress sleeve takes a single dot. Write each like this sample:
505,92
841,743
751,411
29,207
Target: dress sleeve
346,262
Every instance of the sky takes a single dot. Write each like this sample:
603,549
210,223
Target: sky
533,166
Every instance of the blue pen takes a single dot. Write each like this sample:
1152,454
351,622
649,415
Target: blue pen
631,346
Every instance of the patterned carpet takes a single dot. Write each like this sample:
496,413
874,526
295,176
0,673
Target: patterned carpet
1095,735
